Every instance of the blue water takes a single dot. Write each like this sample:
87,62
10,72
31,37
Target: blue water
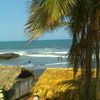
47,53
21,45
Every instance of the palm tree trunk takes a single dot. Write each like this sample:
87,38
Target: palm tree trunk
88,61
97,60
97,71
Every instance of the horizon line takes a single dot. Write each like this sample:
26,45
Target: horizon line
35,40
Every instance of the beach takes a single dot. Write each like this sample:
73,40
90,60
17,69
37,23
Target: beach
37,54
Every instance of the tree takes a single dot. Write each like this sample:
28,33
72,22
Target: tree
84,24
85,27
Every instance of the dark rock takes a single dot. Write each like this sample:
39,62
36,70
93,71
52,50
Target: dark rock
8,56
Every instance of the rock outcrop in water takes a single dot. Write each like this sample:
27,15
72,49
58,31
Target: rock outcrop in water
8,56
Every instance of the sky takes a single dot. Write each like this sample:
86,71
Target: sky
13,17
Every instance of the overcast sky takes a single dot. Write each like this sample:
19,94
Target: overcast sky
13,17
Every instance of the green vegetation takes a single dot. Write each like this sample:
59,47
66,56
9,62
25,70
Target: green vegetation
82,18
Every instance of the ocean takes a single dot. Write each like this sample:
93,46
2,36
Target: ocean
37,54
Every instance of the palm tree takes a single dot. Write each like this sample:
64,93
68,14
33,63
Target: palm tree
84,24
84,33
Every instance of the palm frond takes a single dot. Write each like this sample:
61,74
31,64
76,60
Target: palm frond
47,15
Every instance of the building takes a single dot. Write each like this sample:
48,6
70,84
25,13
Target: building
15,82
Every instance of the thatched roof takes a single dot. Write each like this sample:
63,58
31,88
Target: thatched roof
53,82
58,84
9,74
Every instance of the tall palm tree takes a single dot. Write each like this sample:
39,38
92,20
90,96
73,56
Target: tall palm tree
84,31
84,24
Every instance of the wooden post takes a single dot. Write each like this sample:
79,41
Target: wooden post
29,85
19,90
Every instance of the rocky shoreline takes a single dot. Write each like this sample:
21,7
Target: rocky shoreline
7,56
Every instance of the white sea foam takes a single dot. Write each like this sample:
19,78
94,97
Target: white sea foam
21,53
60,63
63,52
54,52
39,53
44,55
31,53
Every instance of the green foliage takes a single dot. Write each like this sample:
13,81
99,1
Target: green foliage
47,15
84,24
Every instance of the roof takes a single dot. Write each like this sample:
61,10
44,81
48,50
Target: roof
8,75
58,84
53,82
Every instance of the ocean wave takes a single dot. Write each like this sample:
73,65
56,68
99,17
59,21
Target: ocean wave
61,52
21,53
60,63
39,53
44,55
49,54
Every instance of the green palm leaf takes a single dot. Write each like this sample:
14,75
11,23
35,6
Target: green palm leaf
47,15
